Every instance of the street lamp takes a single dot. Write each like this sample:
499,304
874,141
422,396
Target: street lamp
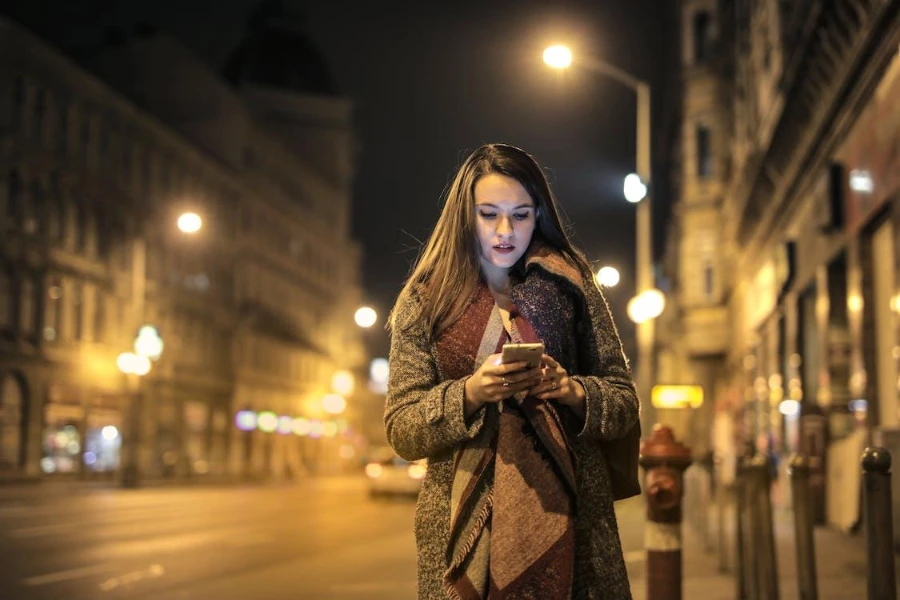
644,239
634,189
608,277
148,346
190,223
365,317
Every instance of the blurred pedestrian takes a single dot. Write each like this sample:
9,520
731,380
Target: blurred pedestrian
523,463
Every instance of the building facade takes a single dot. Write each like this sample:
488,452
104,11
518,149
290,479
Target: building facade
803,158
255,310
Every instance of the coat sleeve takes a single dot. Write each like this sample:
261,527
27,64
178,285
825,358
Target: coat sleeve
423,416
611,406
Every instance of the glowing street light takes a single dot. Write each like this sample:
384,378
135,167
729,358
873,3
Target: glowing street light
342,382
646,306
133,364
635,189
608,277
334,404
365,317
558,57
190,223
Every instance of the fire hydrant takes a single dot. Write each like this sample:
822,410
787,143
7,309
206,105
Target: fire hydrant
664,460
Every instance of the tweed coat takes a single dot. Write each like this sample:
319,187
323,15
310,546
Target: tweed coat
424,418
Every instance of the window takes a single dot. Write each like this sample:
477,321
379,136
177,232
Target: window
78,311
53,310
18,101
13,195
63,133
54,213
99,316
701,28
709,281
6,300
31,208
40,114
704,158
28,306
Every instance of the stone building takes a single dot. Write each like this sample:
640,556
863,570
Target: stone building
802,228
98,160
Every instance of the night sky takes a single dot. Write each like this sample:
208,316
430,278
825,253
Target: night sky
433,80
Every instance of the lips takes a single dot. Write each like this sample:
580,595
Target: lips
504,248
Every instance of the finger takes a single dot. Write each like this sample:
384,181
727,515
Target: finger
526,375
511,367
549,361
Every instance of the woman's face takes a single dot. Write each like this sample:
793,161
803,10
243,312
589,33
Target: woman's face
504,220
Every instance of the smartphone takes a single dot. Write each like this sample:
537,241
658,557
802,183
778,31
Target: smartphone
530,353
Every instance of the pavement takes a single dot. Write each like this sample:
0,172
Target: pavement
708,572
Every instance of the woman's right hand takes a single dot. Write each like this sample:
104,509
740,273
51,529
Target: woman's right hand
495,381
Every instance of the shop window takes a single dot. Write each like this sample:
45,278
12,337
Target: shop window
102,442
11,403
62,443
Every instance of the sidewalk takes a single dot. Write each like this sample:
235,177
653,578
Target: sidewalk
840,561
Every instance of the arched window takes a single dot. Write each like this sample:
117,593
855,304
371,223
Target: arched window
701,27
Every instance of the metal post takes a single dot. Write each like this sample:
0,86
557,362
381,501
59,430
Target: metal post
752,537
644,253
768,562
664,461
798,469
881,575
130,448
740,551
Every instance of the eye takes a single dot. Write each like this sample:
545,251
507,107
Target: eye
521,216
487,215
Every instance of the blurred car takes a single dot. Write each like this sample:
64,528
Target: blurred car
388,474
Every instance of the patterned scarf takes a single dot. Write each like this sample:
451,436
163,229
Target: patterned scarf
513,497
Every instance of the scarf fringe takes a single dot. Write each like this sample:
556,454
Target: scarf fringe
457,561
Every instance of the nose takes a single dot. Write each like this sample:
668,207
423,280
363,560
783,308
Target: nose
504,227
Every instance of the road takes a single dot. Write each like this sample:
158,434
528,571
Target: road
322,539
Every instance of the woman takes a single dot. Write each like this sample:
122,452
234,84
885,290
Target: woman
523,464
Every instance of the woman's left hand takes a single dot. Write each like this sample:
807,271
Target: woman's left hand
557,385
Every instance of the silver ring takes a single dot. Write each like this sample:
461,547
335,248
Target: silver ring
505,384
554,386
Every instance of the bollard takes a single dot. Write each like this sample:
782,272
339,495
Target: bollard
751,523
798,469
740,532
761,466
882,581
664,461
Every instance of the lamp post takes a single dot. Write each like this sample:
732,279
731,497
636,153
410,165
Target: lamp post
560,57
147,346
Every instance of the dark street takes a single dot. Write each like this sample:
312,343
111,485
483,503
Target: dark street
319,539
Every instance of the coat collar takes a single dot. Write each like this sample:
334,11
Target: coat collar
551,260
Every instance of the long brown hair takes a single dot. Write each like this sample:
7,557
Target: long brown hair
447,272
